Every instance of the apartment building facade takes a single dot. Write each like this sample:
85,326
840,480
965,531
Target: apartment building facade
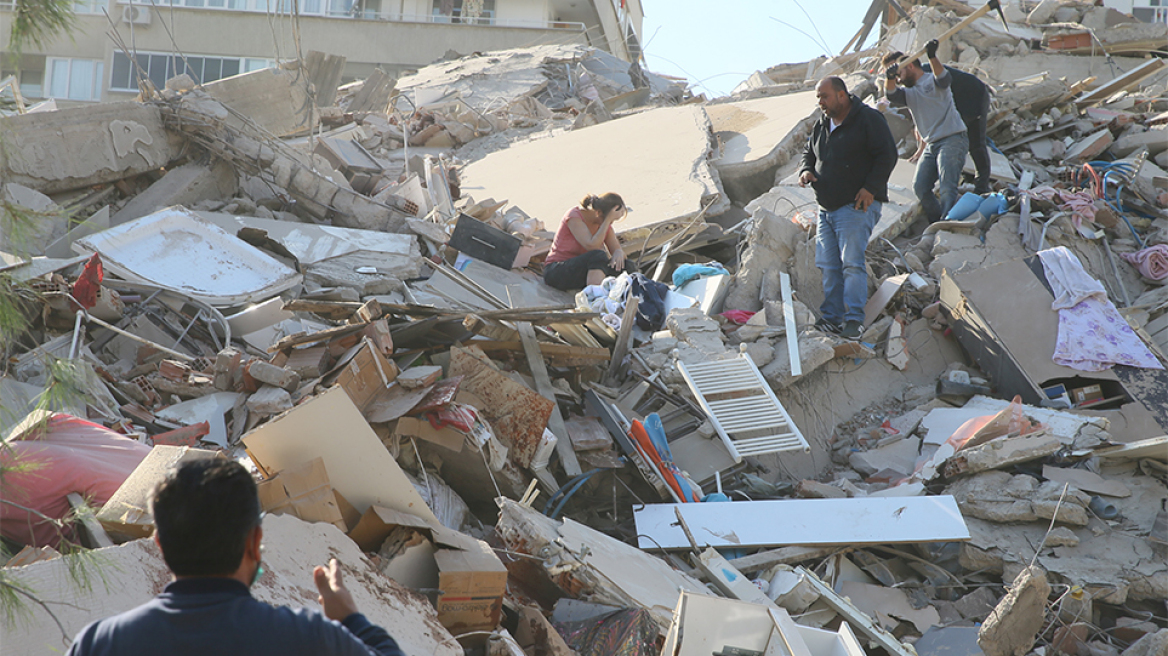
214,39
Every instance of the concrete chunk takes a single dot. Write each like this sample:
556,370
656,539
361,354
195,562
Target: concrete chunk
269,400
1090,146
82,146
1012,627
668,181
266,372
184,185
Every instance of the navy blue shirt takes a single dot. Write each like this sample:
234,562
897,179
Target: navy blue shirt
204,616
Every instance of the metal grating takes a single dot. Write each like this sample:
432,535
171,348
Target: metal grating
742,407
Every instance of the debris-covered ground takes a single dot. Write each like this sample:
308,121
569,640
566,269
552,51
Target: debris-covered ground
347,298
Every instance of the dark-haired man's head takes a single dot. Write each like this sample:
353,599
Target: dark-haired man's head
910,72
206,518
832,94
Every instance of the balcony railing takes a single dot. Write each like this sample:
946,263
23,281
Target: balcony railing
326,9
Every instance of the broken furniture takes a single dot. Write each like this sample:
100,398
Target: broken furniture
743,408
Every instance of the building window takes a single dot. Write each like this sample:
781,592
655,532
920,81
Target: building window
475,12
89,6
74,79
161,67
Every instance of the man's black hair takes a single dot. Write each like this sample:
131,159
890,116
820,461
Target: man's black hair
204,512
837,83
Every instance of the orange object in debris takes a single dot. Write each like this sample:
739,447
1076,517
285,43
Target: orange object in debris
666,470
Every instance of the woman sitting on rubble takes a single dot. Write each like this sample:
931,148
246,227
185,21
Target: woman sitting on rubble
586,250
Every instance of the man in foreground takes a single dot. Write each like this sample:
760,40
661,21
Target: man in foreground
930,101
207,524
847,161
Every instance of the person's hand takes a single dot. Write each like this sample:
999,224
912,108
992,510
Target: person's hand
618,259
916,156
931,48
335,599
864,199
807,178
891,72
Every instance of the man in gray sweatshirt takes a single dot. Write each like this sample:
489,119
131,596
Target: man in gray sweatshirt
929,99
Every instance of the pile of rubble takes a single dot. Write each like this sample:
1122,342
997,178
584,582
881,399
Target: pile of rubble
292,273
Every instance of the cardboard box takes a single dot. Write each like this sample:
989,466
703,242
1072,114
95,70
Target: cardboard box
1087,395
421,428
303,491
473,581
367,374
471,577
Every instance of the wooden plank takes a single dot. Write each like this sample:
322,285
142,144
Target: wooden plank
866,520
622,340
543,383
89,524
789,321
557,354
313,338
782,556
1125,81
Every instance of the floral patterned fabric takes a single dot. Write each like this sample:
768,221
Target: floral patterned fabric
1093,335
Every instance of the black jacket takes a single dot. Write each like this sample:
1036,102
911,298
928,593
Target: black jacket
860,153
970,94
204,616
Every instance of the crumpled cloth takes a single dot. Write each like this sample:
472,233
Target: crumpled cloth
1081,204
1093,335
688,272
1152,261
89,282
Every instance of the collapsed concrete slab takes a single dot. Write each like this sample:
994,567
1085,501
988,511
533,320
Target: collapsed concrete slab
758,136
486,81
183,185
657,160
82,146
131,574
274,99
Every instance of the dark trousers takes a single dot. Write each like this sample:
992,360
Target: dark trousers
979,152
572,274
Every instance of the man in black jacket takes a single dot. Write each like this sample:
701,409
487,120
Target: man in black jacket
207,524
847,160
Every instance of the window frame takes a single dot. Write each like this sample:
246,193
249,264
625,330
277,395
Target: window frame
97,74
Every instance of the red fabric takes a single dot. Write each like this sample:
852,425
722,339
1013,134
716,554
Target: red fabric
738,316
565,246
70,455
89,282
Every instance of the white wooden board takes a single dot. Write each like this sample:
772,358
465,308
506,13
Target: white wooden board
803,522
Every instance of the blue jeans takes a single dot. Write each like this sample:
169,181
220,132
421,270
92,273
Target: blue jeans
840,241
942,159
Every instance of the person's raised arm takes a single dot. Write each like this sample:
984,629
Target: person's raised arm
940,74
584,235
337,603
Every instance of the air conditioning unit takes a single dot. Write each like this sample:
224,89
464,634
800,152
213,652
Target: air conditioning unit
136,14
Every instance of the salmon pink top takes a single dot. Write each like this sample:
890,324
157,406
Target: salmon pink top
565,246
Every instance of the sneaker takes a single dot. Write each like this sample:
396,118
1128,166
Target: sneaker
852,330
826,326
